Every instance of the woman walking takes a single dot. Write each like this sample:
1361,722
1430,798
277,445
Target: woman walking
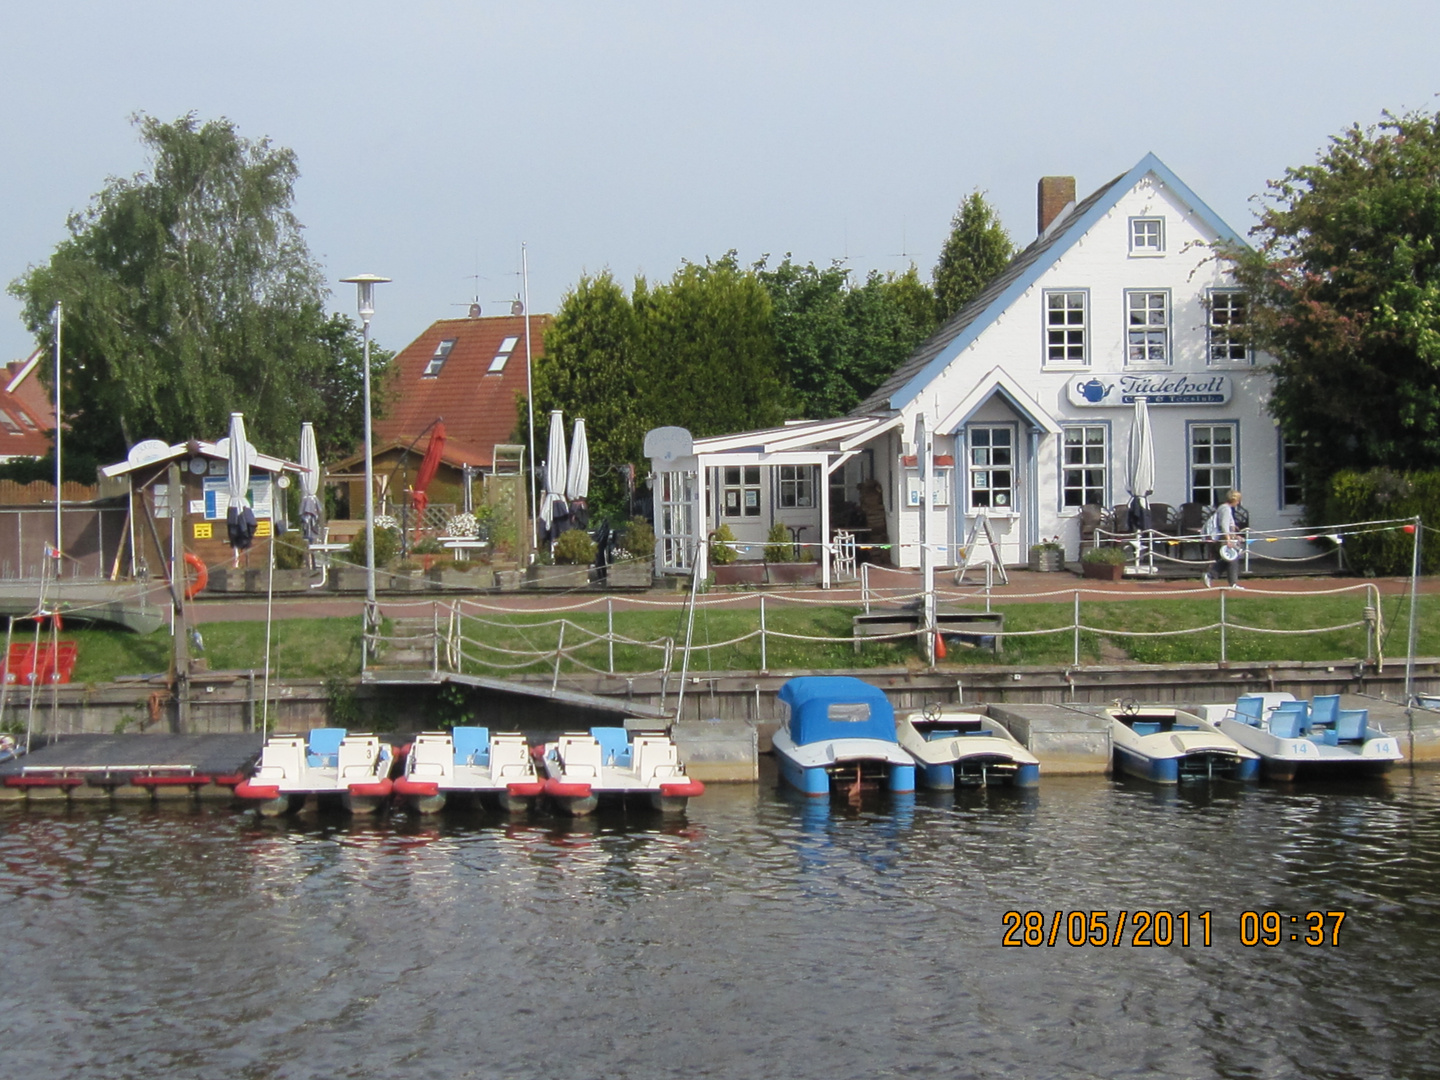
1226,531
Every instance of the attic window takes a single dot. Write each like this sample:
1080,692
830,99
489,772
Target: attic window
9,422
502,354
25,419
442,353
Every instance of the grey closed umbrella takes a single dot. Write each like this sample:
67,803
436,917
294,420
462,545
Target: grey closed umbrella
553,507
577,477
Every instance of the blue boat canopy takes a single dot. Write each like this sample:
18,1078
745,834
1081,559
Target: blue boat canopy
820,707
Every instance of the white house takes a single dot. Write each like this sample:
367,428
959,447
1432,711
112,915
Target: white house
1028,394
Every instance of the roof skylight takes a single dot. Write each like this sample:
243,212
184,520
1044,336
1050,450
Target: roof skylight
442,353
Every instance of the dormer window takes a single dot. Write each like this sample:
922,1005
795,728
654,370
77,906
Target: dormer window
501,355
442,353
1147,236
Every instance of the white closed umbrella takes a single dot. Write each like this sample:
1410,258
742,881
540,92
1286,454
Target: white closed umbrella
577,478
555,471
239,518
309,484
1140,467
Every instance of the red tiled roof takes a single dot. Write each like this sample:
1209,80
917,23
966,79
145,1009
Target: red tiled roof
478,406
26,414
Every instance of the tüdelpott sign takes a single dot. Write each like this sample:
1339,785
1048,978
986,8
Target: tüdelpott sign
1158,388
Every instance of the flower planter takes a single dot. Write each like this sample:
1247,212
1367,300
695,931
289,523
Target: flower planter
408,581
793,573
258,581
740,573
631,575
557,577
462,579
509,580
226,579
1099,571
349,578
1047,560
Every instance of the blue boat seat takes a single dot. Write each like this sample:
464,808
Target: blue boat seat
1350,725
324,747
1324,709
1288,723
614,745
1146,727
472,745
1250,709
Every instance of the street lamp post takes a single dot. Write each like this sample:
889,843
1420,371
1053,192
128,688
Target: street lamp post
365,288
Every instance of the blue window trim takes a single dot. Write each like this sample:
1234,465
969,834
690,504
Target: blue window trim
1210,361
1145,253
1237,484
1148,365
1060,506
1046,364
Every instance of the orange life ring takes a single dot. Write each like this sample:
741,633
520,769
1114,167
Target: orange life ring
202,575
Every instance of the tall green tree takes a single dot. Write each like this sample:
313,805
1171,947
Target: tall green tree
189,293
838,341
976,250
1344,291
591,369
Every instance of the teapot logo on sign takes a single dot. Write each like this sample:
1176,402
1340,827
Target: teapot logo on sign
1114,391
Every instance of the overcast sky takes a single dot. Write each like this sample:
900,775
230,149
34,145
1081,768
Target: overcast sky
433,138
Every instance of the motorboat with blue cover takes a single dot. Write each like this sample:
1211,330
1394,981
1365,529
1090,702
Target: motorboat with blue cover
1310,739
954,747
615,764
1167,745
468,763
331,764
839,732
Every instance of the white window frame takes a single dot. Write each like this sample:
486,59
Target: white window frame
1066,329
1147,236
1147,335
1200,456
1088,451
981,465
1217,333
1289,472
796,487
437,360
740,496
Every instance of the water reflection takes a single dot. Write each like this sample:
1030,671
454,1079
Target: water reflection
763,932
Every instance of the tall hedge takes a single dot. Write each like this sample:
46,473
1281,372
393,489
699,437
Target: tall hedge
1378,495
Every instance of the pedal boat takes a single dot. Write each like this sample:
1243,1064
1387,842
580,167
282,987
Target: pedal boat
954,748
468,764
838,733
1310,740
1166,746
331,764
612,764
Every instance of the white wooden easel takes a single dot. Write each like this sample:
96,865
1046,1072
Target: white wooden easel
975,555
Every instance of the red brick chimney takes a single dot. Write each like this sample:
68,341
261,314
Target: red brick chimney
1054,193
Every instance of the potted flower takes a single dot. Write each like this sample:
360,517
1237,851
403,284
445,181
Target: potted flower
1104,563
632,564
782,567
725,558
1048,556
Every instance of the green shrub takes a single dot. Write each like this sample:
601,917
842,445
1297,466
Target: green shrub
778,546
575,548
639,539
290,552
722,547
387,545
428,546
1379,495
1110,555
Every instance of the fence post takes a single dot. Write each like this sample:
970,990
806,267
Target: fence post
435,638
1222,626
1077,627
559,652
764,659
610,630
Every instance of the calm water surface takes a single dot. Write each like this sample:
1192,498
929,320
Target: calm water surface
759,937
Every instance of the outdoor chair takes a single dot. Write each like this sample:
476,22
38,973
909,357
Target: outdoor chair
324,746
1288,721
1162,517
1250,709
1349,726
1093,517
614,745
1189,520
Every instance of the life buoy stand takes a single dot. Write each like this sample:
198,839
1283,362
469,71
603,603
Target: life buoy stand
202,575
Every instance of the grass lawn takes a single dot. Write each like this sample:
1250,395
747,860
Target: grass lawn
303,648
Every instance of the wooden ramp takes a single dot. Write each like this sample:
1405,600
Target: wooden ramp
142,607
524,705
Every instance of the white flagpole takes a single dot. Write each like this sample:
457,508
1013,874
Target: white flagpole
58,498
